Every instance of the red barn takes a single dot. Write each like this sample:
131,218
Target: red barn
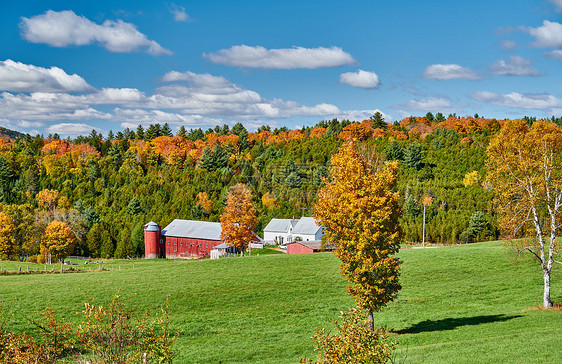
301,247
181,239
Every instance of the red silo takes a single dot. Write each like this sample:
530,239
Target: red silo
151,240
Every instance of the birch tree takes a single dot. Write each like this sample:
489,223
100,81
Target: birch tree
525,170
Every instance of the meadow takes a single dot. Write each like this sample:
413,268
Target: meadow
472,303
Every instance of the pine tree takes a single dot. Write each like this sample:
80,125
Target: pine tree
207,160
166,130
140,132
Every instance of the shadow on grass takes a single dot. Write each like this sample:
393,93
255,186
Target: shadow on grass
451,323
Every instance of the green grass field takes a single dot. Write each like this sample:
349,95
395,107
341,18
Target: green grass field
472,303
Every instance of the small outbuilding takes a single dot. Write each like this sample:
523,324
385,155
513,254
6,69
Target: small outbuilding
303,247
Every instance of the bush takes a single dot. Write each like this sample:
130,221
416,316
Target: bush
32,259
107,335
353,343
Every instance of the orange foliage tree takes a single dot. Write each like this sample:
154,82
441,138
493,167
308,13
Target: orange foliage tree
360,213
525,170
238,219
47,199
205,202
58,241
7,240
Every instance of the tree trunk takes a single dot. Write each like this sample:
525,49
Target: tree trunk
547,303
371,321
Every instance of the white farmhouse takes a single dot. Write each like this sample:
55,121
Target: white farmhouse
279,231
307,230
283,231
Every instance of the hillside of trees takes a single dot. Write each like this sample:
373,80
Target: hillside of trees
105,188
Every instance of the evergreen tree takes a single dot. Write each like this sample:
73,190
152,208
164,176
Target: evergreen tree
242,133
413,156
293,180
134,207
182,132
94,240
106,246
140,132
166,130
378,121
394,151
124,247
220,157
207,161
429,116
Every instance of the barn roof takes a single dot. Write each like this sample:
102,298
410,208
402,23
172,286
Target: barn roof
151,226
280,225
315,245
193,229
306,225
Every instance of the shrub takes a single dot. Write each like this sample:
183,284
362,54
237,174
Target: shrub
353,342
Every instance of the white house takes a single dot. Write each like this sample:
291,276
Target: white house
279,231
307,230
283,231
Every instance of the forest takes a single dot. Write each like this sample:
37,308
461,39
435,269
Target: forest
105,188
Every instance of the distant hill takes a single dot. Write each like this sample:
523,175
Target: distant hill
10,134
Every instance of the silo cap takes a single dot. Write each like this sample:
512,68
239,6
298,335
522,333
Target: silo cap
151,226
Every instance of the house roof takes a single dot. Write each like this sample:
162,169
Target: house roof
193,229
280,225
314,245
151,226
306,225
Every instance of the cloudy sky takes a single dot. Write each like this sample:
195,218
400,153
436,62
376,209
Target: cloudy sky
73,66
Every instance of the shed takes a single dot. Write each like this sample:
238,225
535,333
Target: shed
302,247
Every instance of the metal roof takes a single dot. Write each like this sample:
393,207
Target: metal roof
306,225
151,226
280,225
315,245
193,229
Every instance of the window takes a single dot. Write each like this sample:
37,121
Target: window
180,243
161,241
206,245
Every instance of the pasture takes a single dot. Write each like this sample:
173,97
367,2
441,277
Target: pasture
471,303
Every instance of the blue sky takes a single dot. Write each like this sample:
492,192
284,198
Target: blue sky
70,67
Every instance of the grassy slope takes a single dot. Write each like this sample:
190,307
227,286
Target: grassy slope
461,304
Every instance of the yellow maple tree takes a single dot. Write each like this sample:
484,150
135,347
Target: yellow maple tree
58,241
7,240
360,212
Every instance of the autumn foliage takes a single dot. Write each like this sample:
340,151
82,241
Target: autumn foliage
7,241
352,343
58,240
525,170
238,219
360,212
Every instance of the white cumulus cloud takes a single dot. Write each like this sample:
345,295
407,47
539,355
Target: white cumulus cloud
428,104
556,54
20,77
361,79
515,66
71,129
284,58
179,13
549,35
518,100
65,28
449,72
